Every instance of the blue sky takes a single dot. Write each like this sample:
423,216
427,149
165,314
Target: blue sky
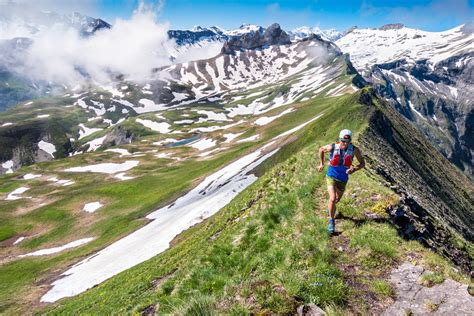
430,15
342,14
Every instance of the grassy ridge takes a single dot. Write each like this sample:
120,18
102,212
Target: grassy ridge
268,250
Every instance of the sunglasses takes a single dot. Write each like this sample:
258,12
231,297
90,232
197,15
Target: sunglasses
345,140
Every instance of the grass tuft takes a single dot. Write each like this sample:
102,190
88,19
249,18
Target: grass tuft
6,232
379,242
430,279
198,305
382,288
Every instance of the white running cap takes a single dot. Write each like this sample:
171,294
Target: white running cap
345,135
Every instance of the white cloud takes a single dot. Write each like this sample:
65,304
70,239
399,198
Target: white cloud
199,52
131,47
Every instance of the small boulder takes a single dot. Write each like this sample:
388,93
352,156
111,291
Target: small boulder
310,310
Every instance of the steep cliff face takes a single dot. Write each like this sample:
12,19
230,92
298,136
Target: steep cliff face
436,199
438,98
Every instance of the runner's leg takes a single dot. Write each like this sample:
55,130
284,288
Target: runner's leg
332,200
339,194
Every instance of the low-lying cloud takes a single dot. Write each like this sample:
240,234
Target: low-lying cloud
131,48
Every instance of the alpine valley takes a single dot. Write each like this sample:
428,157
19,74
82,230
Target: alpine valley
195,190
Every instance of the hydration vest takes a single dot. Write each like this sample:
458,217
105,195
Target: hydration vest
345,161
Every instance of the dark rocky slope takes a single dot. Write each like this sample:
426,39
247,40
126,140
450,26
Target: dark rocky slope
436,199
446,117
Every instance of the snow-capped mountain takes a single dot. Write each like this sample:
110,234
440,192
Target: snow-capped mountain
215,33
200,34
245,29
428,78
210,40
197,34
314,67
305,31
368,47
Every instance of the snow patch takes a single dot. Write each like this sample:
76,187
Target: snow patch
212,116
47,147
19,240
14,194
95,143
63,183
121,151
30,176
109,168
122,176
8,165
165,141
162,127
184,122
148,106
265,119
249,139
231,136
179,96
92,207
412,107
49,251
163,155
454,92
203,144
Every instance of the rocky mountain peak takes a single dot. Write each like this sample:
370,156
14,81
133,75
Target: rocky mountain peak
273,35
391,26
216,29
197,28
349,30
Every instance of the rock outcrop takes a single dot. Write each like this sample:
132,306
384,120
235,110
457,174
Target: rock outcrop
412,298
273,35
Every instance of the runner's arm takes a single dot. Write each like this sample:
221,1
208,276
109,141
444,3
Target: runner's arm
322,150
360,159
